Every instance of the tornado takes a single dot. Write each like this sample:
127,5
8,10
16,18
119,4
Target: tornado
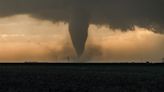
117,14
78,29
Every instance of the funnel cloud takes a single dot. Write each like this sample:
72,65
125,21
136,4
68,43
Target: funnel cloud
118,14
78,28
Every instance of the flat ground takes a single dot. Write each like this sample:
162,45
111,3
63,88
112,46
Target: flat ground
81,78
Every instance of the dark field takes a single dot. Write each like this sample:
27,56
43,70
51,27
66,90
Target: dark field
81,78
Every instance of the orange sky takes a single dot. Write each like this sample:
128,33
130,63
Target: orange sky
24,38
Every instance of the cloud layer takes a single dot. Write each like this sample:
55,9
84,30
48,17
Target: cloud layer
119,14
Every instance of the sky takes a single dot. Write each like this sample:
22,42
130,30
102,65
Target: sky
24,38
94,30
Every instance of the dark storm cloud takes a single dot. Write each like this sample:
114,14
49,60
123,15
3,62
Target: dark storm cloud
119,14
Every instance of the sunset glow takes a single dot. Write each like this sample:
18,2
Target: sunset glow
25,38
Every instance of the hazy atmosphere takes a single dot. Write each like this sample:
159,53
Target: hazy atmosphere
95,30
33,39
